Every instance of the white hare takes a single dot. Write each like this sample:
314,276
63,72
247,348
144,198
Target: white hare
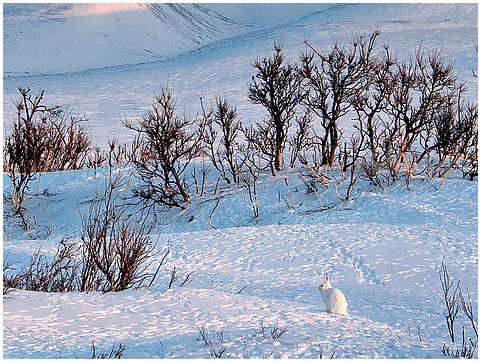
334,299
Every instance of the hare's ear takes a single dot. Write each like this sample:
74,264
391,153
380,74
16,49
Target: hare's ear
326,277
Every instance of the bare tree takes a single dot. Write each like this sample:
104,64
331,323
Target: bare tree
301,142
222,148
331,79
169,144
276,86
423,86
451,135
369,102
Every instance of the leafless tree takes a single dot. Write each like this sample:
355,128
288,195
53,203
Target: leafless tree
422,86
221,143
276,86
301,142
451,135
369,102
331,79
169,144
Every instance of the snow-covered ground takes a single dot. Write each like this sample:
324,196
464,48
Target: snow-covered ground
383,248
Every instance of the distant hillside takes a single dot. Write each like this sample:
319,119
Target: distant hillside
53,38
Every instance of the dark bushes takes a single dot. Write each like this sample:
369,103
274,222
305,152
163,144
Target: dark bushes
116,249
42,139
58,274
168,144
277,87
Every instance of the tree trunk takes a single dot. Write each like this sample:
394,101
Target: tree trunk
402,152
278,159
334,144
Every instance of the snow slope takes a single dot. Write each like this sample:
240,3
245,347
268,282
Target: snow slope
224,67
57,38
382,249
266,14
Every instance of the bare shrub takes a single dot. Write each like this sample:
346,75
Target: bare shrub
42,139
44,274
200,186
454,302
332,356
114,353
117,251
423,86
116,248
169,144
276,86
275,332
348,166
117,153
369,103
249,176
450,290
301,142
262,140
10,281
214,341
221,143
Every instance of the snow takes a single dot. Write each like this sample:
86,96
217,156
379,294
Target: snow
72,37
382,248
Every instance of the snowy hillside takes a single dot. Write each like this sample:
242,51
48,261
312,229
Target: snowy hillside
57,38
383,250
